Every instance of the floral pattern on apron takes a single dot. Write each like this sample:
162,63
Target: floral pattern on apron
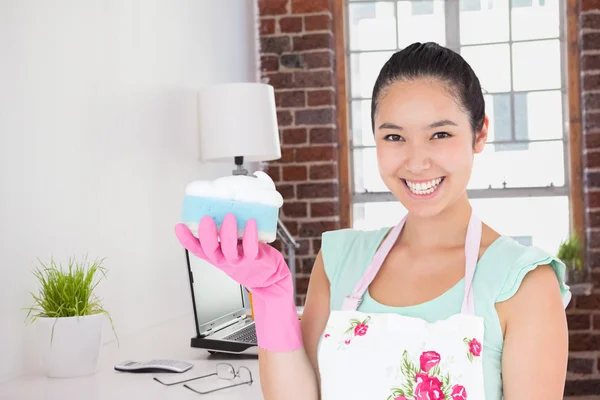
389,356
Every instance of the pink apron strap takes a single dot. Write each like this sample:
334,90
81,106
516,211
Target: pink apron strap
472,244
352,302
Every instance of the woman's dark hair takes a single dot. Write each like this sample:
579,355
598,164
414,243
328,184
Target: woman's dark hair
430,60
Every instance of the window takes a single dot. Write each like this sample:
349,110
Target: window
475,5
522,3
520,183
470,5
421,7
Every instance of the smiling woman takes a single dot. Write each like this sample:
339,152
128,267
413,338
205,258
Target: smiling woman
428,118
524,81
416,283
437,306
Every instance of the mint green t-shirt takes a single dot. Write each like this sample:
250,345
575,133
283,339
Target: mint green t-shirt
498,275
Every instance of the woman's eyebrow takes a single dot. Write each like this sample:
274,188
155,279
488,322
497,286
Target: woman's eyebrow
442,122
436,124
389,125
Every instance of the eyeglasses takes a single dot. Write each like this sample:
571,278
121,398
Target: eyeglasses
223,371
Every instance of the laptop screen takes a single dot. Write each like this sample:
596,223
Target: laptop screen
216,294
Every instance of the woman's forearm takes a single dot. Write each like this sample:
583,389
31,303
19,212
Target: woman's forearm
287,375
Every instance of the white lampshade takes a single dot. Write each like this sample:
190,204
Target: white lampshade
238,119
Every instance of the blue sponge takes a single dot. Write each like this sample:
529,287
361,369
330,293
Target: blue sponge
246,197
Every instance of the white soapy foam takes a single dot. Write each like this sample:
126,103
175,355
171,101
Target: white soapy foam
259,189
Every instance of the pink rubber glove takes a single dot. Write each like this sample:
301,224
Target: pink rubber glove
257,266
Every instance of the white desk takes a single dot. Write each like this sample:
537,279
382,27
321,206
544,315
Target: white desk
169,340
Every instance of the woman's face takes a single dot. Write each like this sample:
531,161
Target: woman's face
424,144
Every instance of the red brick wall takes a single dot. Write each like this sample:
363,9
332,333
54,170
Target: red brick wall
297,58
584,312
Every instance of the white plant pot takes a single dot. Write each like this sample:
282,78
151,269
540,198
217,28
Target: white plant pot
74,347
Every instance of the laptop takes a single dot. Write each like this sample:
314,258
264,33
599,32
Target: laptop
222,321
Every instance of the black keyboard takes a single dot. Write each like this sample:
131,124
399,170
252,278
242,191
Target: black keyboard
245,335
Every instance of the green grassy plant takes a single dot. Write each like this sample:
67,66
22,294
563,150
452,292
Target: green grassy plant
569,252
67,291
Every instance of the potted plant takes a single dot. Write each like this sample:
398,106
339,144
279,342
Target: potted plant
569,252
68,317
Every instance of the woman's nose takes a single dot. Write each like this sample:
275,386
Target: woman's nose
417,161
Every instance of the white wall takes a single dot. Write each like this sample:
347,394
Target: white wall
97,125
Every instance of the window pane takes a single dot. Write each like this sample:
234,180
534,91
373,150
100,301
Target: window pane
375,215
362,133
536,65
486,23
491,63
538,115
364,70
366,171
538,166
542,220
498,109
372,26
544,16
470,5
539,221
421,7
420,21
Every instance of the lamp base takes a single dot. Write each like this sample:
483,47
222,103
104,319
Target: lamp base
240,170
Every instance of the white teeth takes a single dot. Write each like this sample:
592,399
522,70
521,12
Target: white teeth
423,187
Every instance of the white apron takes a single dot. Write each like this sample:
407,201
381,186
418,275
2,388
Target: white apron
385,356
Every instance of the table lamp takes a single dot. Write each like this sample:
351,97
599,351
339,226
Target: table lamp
238,122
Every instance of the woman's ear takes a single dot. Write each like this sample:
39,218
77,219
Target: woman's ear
481,136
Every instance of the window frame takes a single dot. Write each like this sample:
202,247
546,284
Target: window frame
570,90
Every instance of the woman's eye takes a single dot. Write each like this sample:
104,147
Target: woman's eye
441,135
394,138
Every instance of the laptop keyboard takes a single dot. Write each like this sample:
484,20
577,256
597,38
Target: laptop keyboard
245,335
